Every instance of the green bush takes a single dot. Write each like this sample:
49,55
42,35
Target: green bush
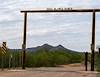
43,58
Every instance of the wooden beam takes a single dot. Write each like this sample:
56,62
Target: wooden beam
93,42
86,61
24,41
70,10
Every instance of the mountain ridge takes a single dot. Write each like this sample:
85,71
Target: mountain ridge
46,47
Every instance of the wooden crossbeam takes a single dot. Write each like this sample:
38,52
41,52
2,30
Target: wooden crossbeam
69,10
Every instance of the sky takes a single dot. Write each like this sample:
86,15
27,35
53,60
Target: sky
72,30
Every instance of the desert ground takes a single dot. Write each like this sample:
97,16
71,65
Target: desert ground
73,70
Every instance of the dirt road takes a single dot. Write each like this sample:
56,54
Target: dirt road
66,71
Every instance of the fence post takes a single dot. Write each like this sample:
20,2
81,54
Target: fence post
86,60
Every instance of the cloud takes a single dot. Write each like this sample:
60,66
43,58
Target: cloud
46,31
61,27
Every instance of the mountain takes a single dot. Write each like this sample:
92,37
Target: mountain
46,47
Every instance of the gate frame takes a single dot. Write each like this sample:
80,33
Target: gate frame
59,11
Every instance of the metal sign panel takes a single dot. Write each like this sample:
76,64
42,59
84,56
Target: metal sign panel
4,48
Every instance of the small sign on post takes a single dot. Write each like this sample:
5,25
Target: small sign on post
4,51
4,48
